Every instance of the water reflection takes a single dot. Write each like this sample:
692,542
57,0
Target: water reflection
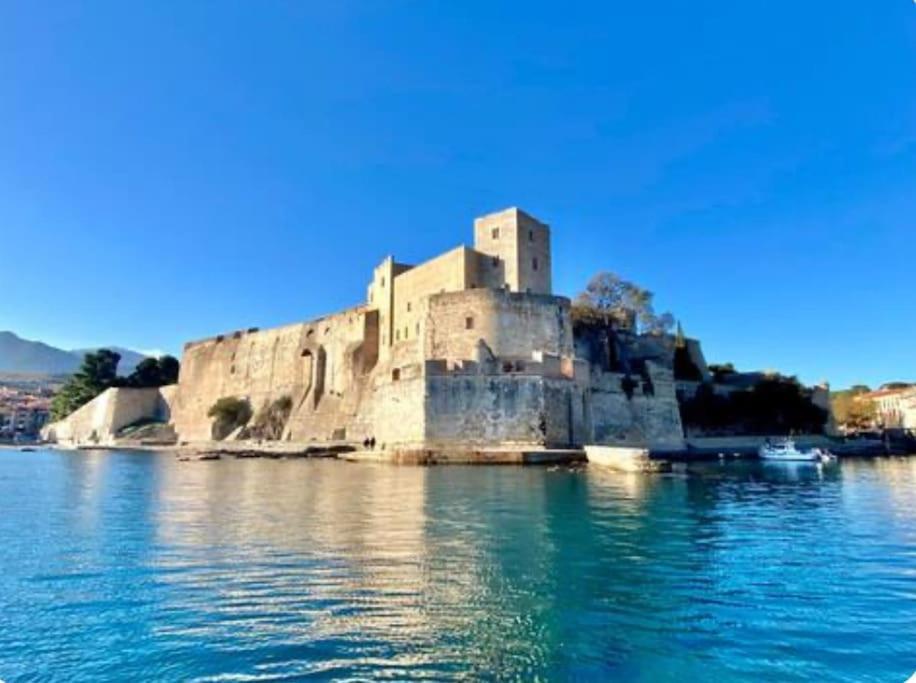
142,566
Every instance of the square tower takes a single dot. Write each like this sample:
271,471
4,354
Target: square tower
522,243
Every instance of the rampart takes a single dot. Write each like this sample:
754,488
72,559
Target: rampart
469,350
99,421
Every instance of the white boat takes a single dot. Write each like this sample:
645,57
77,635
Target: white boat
786,450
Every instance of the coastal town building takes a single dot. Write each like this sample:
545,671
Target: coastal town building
895,406
468,352
22,413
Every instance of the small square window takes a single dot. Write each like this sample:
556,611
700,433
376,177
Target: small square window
495,233
469,323
396,374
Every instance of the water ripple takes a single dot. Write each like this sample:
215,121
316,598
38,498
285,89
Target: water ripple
128,566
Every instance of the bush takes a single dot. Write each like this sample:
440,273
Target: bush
272,419
228,413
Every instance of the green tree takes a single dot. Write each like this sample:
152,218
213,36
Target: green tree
272,418
97,373
228,413
153,372
609,297
851,411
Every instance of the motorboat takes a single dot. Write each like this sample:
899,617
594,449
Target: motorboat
786,450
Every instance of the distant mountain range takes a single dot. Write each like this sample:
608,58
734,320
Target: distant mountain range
22,355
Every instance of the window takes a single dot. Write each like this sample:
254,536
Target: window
531,235
397,335
534,264
408,307
418,329
396,375
495,233
405,333
469,323
383,282
495,261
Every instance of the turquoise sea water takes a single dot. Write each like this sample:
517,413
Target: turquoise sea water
138,567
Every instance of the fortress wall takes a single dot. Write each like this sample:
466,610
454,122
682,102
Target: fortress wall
98,421
445,273
659,420
611,418
394,412
651,418
485,410
309,362
342,354
258,366
485,270
518,240
512,325
496,234
494,410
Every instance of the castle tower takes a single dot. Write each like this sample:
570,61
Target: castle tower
523,244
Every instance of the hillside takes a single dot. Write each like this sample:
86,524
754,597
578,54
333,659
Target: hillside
26,356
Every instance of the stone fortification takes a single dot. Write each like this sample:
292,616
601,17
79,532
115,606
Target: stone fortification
317,364
99,421
470,350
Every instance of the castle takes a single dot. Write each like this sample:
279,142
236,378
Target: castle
467,352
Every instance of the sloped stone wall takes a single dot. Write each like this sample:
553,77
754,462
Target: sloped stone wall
98,422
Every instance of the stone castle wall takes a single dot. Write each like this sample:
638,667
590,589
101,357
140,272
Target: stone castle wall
512,325
488,368
316,364
467,350
98,422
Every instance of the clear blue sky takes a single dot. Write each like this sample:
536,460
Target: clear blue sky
171,170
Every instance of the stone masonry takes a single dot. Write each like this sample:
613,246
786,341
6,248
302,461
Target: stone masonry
470,350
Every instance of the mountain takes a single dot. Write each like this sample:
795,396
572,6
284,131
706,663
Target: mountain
23,355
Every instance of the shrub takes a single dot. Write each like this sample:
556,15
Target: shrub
228,413
272,418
